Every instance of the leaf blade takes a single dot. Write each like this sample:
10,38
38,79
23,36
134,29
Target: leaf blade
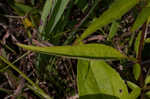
87,51
101,76
136,71
136,90
45,13
113,30
142,17
117,9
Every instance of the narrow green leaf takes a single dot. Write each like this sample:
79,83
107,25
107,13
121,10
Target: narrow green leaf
136,71
147,80
132,85
113,30
137,43
60,12
97,77
55,17
142,17
45,13
21,9
116,10
148,21
34,85
87,51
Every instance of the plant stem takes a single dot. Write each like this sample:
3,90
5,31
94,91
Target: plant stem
139,58
35,86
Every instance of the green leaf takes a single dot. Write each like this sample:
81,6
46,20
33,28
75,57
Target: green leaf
113,30
85,79
98,96
148,3
56,15
142,17
148,94
97,77
136,71
148,20
45,13
132,85
136,90
135,93
34,85
147,40
87,51
60,12
21,9
147,80
137,43
116,10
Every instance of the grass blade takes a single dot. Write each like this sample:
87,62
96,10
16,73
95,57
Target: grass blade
41,92
117,9
45,13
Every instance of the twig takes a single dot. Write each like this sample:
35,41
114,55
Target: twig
19,88
139,58
16,17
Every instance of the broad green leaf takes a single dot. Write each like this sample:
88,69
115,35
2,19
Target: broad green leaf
85,80
137,43
142,17
136,71
116,10
87,51
45,13
113,30
136,90
97,78
147,80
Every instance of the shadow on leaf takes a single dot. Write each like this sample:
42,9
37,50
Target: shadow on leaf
98,96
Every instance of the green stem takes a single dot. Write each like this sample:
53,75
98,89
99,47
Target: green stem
5,68
35,86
